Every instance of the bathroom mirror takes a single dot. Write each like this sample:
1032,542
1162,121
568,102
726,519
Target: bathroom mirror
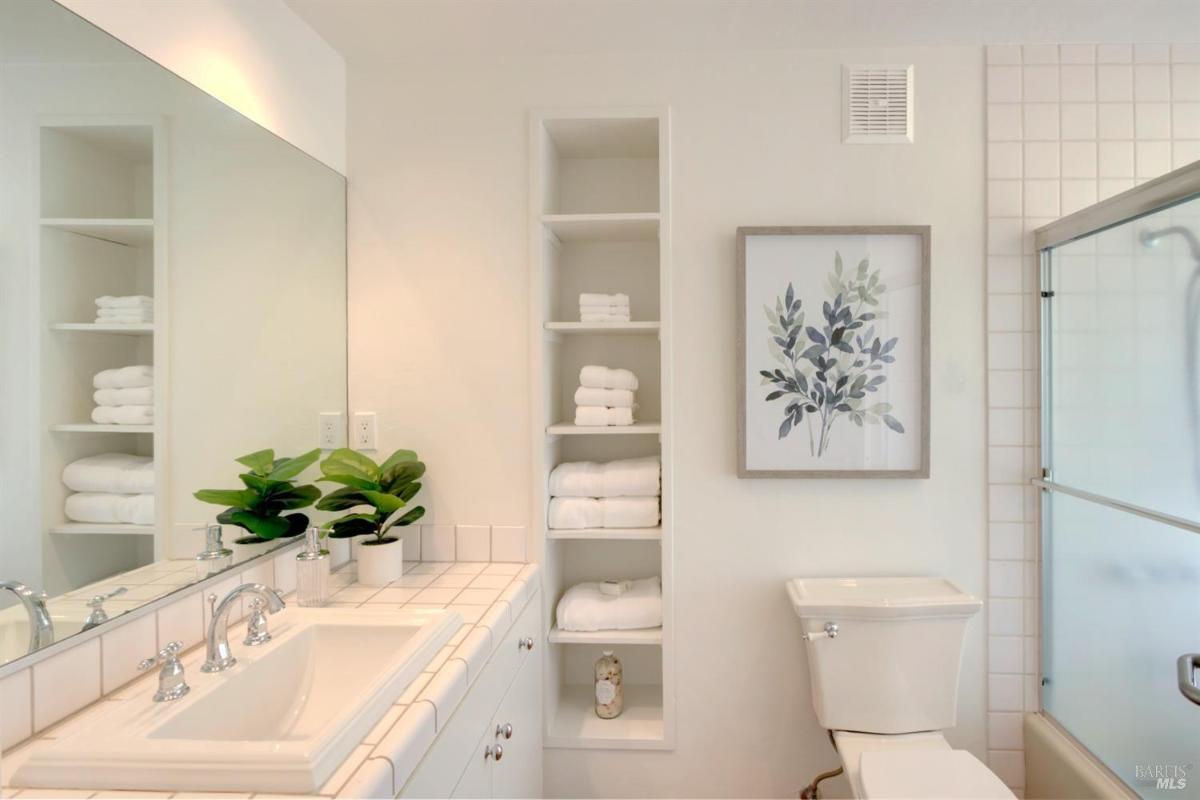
173,297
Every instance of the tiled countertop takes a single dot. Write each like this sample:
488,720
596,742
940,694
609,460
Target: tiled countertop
488,596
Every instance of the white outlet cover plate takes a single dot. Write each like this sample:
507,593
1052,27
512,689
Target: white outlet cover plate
330,426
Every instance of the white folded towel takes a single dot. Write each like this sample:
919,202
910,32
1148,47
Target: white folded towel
138,396
124,377
123,415
595,299
134,509
594,377
585,316
629,477
567,513
590,416
118,473
611,398
584,607
124,301
124,316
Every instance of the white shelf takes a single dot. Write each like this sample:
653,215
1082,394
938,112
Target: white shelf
639,727
650,636
603,227
98,529
133,232
618,534
621,328
571,429
92,427
136,329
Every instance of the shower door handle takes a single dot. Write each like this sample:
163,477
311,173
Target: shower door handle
1189,665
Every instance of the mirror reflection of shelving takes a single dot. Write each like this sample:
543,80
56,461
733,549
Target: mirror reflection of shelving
101,223
600,225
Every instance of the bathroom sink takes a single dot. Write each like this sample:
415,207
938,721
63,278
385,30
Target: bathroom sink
281,720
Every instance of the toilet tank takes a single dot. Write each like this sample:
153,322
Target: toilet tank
892,665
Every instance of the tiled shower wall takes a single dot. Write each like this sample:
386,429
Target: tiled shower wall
1067,125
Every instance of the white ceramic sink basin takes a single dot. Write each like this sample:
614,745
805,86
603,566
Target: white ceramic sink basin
281,720
14,630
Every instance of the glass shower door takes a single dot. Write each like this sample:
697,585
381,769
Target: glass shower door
1121,506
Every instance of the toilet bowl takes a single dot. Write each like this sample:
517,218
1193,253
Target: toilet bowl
884,657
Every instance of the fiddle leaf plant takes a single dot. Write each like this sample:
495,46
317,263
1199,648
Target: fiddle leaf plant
270,489
383,488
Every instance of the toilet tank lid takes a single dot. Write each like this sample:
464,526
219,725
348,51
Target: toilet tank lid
880,597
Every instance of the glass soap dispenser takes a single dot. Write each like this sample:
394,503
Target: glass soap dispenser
312,571
215,557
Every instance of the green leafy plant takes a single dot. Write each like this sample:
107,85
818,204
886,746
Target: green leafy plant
270,490
384,488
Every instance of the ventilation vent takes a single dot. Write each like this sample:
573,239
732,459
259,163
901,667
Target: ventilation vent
878,103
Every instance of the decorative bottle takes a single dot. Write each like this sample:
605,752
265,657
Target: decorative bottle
610,696
215,557
312,571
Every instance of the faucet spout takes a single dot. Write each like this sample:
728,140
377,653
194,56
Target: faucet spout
41,628
218,656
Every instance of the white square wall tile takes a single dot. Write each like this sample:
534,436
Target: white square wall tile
1152,120
1116,159
1078,83
1115,120
1114,53
1077,53
1151,82
1114,83
1006,541
1185,82
65,683
1004,84
1151,53
1077,194
285,572
1004,160
1039,84
1004,122
1039,54
1006,464
1004,274
1005,427
1040,122
122,649
1005,504
1004,351
1041,161
1041,198
1186,53
1004,388
1078,159
182,620
1005,693
1184,153
1004,198
473,543
1006,655
1004,54
1004,312
1005,730
1005,617
508,543
411,538
1009,766
16,708
1006,578
1185,120
1152,159
1078,121
1108,187
437,543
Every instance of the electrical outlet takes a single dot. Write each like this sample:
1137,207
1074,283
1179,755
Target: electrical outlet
365,427
330,425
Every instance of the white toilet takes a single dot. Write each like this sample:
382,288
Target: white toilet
884,656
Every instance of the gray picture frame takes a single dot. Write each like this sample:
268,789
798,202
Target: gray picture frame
925,235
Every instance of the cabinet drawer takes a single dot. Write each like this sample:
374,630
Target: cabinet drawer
455,745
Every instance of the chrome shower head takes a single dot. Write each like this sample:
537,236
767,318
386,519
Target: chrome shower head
1150,238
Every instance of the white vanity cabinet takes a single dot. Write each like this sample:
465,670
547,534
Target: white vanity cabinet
462,760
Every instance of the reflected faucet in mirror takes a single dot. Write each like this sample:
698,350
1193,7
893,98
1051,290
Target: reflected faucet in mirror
41,628
98,615
218,656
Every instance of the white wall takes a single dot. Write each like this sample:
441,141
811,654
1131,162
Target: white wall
438,340
258,57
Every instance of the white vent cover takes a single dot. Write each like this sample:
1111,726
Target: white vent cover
877,103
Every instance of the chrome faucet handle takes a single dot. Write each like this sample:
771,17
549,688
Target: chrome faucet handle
98,615
256,629
172,682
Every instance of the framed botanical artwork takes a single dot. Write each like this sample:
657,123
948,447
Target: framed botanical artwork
833,352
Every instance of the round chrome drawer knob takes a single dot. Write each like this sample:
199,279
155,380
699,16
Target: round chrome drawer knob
504,731
525,644
494,752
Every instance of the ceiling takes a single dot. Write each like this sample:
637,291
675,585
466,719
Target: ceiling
387,30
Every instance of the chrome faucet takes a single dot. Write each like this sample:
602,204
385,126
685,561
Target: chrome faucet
98,615
218,657
41,629
172,682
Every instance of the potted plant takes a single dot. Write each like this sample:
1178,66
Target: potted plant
270,489
384,489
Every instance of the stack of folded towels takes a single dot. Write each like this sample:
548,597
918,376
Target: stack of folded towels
617,494
605,396
111,488
603,307
128,310
124,396
611,606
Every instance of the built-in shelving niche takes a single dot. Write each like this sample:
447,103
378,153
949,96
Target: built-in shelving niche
101,231
599,222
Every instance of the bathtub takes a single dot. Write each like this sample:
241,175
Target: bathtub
1057,767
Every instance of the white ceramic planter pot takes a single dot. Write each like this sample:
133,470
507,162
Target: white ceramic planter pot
379,564
247,547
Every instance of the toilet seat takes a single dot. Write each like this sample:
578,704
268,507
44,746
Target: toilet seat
928,775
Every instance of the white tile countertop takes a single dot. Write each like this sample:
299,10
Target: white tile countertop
488,596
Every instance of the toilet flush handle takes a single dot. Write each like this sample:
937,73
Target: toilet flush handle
830,631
